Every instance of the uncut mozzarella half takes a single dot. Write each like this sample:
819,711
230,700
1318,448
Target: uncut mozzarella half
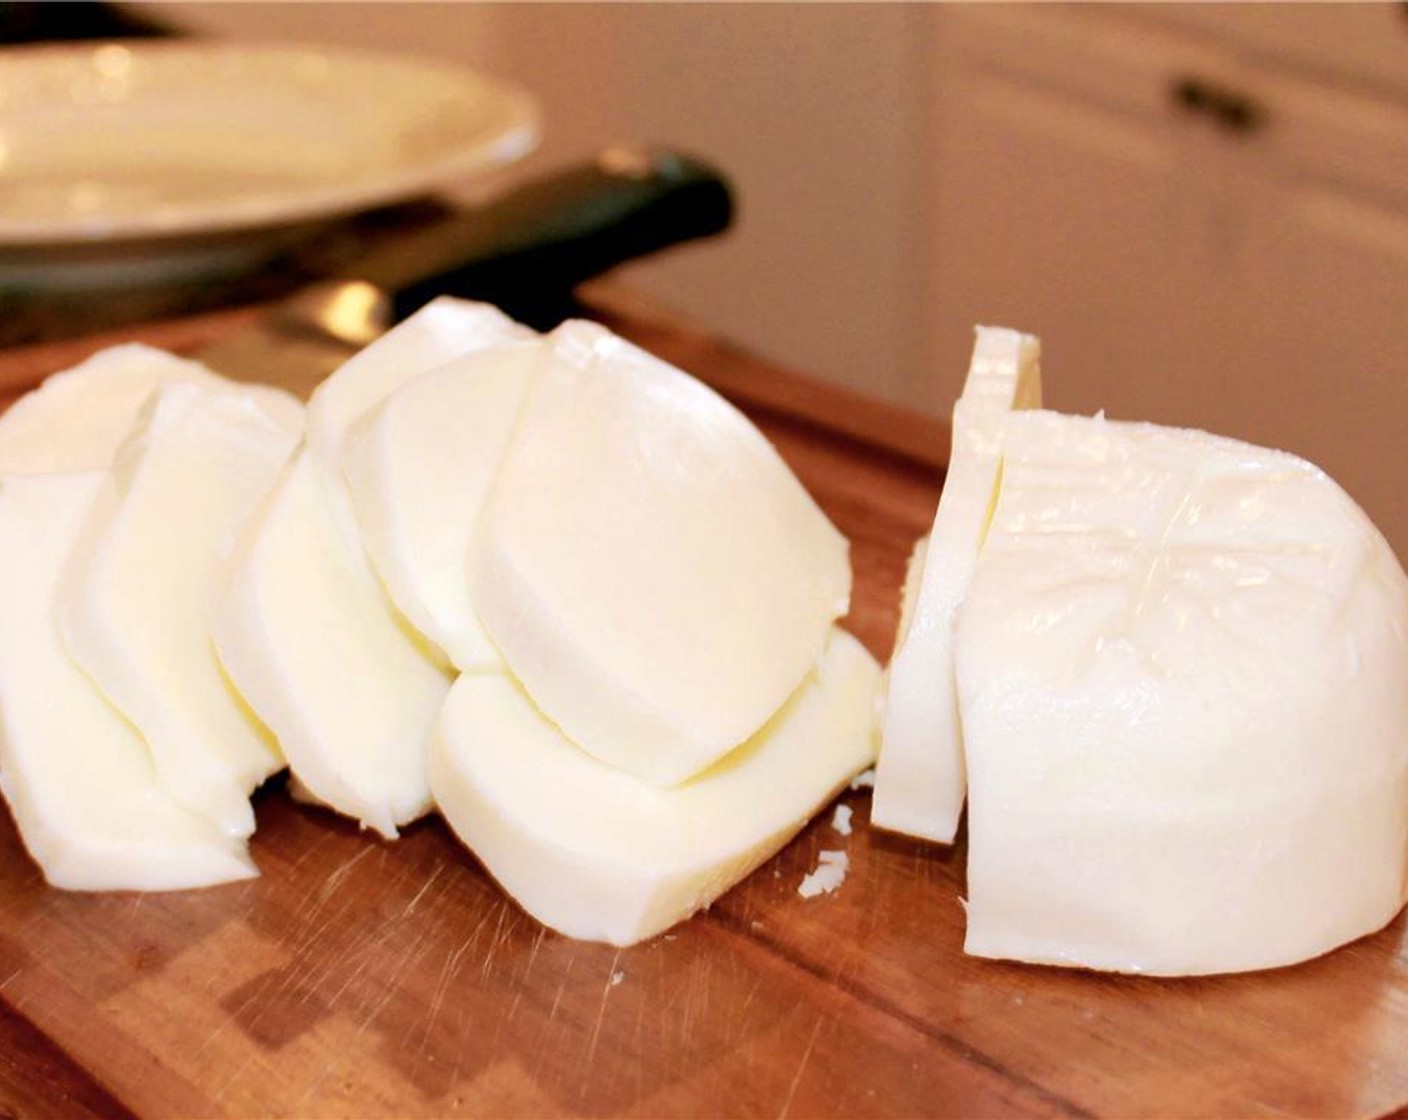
302,624
920,780
79,780
648,566
597,854
1181,666
418,467
133,605
77,419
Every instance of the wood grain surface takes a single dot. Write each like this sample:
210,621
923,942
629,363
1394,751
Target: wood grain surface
357,977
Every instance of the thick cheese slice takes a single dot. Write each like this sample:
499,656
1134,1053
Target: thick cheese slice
302,624
312,643
78,778
920,780
1181,665
133,605
419,467
648,566
77,419
597,854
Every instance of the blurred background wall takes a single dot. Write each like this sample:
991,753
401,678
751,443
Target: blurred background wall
808,109
1203,210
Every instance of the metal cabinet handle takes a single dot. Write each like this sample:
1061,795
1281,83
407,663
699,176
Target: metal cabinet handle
1230,109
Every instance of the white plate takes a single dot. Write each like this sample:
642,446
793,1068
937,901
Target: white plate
125,142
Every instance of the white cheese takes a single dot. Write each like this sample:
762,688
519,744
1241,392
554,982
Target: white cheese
919,780
1181,665
310,640
827,876
79,780
76,419
647,564
133,602
441,330
597,854
304,627
418,467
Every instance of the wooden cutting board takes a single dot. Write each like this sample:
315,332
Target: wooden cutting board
357,977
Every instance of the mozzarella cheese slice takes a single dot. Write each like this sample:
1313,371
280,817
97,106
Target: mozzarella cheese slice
443,329
78,779
1181,664
649,568
133,603
303,626
312,643
76,420
920,780
419,467
597,854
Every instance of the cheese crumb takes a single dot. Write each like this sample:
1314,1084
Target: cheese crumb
841,822
830,873
864,780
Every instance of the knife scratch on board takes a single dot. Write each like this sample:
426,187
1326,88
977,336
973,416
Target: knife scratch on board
448,971
312,850
219,1094
748,999
411,906
392,982
611,982
561,987
500,913
801,1068
522,985
335,877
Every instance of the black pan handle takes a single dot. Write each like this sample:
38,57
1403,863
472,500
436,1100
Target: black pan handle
525,251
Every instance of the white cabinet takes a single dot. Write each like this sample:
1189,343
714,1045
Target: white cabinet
1240,264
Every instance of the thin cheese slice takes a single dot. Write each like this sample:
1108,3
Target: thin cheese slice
920,780
648,566
78,779
77,419
304,627
133,604
309,638
419,467
1181,665
442,330
597,854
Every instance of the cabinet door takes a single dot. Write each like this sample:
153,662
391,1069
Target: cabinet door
1067,196
1321,343
1325,344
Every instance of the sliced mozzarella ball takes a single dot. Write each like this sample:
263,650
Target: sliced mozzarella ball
647,565
77,419
309,638
133,606
418,467
1181,665
79,780
920,781
443,329
597,854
